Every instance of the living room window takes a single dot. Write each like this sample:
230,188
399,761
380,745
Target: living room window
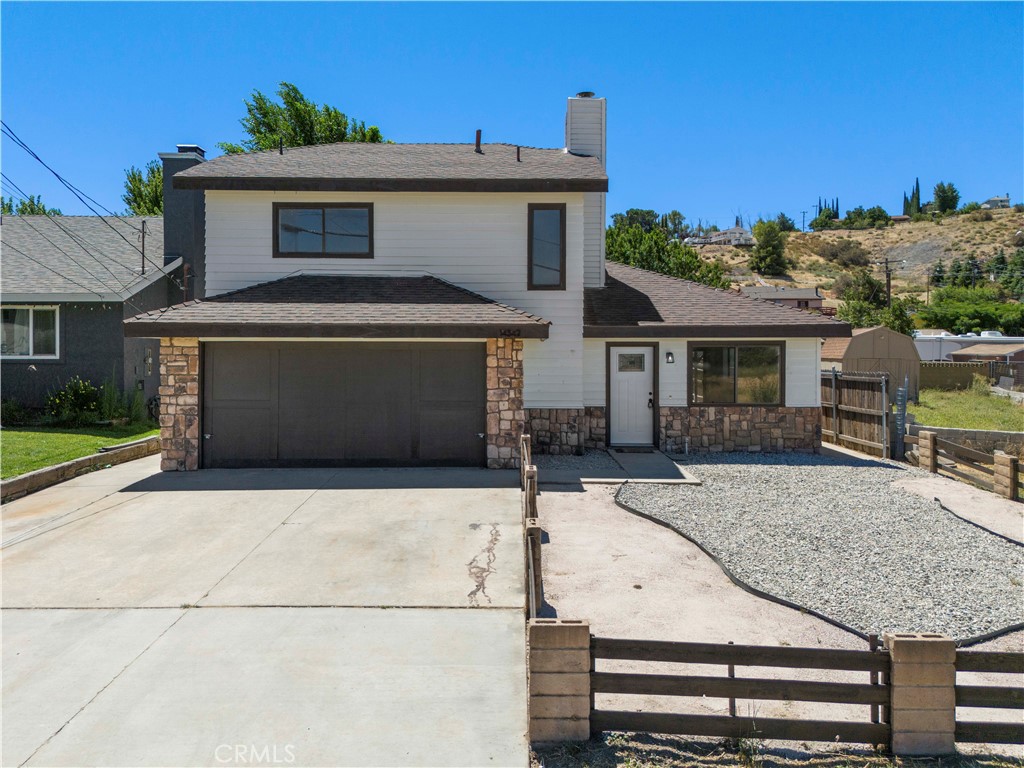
29,332
328,230
736,374
546,247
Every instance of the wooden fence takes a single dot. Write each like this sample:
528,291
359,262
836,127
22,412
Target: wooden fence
531,528
855,411
997,471
873,693
990,697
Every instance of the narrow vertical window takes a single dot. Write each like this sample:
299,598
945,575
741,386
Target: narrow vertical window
546,246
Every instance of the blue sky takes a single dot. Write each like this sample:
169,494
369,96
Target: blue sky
713,109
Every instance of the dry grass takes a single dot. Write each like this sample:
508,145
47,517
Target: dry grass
642,750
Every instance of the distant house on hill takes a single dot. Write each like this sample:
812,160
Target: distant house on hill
801,298
997,202
876,350
900,219
735,236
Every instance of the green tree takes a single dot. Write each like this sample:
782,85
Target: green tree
996,266
824,220
33,205
956,273
644,218
1013,278
946,197
785,223
897,317
654,251
769,254
674,224
295,121
860,286
938,274
144,192
858,313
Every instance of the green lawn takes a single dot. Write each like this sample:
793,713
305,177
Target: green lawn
967,409
23,449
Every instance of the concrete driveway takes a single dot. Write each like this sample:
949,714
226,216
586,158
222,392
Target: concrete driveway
234,617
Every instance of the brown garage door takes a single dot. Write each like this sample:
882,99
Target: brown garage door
273,404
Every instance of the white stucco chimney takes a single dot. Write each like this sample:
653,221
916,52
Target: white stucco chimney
586,133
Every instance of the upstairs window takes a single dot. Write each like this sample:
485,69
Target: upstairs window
546,247
742,374
29,332
331,230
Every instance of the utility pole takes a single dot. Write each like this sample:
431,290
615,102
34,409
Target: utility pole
888,280
803,221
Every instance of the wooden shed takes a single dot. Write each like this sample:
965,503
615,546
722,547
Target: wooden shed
876,350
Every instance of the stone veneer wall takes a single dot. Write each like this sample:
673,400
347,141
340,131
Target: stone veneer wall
505,414
566,430
740,428
179,404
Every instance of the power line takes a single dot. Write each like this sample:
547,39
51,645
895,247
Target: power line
82,196
77,239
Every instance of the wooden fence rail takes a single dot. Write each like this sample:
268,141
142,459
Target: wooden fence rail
855,410
873,693
990,697
996,472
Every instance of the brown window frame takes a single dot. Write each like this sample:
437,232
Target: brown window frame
780,345
277,207
530,208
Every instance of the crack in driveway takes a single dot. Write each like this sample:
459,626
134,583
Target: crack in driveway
479,571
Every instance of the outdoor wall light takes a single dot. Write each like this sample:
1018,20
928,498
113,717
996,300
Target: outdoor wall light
669,357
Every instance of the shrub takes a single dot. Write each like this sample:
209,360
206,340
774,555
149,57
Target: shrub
12,413
134,406
981,216
970,207
979,385
75,404
845,253
1018,208
110,406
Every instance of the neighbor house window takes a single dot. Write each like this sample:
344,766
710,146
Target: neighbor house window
29,332
741,374
331,230
546,246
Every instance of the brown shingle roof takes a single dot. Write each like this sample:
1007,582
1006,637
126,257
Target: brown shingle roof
349,166
333,306
635,302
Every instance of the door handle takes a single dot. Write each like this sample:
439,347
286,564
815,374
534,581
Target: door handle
650,400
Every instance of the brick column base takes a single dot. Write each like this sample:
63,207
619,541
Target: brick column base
179,404
559,680
923,681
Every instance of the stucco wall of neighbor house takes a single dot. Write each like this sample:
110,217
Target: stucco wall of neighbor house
477,241
90,344
162,293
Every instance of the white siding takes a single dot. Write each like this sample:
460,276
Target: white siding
477,241
586,133
802,370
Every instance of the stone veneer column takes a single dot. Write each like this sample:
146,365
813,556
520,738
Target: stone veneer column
179,404
505,415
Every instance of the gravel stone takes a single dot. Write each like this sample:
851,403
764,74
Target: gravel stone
592,460
834,536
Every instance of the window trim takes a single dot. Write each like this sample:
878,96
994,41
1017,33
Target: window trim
31,332
530,208
691,392
277,207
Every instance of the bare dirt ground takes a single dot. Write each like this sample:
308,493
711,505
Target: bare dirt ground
632,578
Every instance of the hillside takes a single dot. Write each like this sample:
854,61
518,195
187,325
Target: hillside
914,247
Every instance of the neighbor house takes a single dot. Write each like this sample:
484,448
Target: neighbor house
801,298
402,304
997,202
990,351
68,283
735,236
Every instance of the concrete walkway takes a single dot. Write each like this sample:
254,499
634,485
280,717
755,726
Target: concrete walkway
650,467
324,617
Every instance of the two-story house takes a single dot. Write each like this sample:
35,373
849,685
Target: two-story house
402,304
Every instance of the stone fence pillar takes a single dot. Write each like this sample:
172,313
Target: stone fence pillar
1007,472
559,662
923,683
928,453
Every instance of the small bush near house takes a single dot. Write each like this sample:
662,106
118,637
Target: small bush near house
110,405
845,253
76,403
12,413
134,406
981,216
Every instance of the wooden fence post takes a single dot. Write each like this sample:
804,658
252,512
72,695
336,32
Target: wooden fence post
927,451
533,550
923,693
559,662
1006,475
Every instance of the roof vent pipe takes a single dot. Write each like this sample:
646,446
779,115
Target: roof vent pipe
519,158
585,95
478,150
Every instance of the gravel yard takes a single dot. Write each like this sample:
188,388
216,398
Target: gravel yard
834,536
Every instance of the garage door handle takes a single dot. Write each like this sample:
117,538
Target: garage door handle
207,436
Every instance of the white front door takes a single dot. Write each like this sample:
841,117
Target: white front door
631,395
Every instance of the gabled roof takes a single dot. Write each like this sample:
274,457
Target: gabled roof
79,258
350,166
333,306
638,303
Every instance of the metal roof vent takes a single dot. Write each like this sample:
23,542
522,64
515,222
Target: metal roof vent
585,95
